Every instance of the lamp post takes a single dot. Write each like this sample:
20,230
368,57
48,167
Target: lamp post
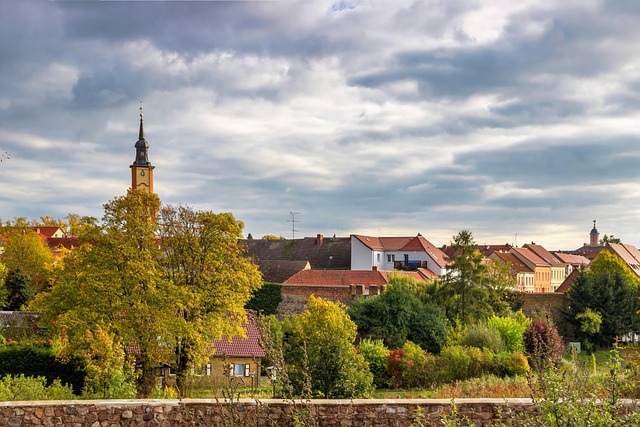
273,371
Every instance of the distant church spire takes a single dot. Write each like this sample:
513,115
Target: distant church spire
594,236
141,169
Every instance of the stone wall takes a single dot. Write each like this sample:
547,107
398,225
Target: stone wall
204,412
555,304
264,413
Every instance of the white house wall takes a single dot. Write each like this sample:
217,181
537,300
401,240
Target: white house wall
364,258
361,256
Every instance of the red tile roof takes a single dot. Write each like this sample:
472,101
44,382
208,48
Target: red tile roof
417,243
530,256
513,261
46,231
229,346
352,277
573,259
541,252
629,254
242,347
337,277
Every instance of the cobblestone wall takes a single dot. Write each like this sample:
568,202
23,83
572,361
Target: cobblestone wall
205,412
201,412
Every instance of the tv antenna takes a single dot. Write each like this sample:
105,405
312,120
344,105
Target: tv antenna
293,222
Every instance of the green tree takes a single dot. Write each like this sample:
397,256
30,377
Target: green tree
466,281
76,223
113,279
266,299
501,284
272,237
610,289
4,271
109,375
161,282
398,315
200,254
18,290
609,239
25,251
323,336
48,221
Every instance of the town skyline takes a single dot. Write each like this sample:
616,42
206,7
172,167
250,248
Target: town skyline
382,120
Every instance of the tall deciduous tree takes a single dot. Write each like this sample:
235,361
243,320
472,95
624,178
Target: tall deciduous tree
113,279
162,281
201,255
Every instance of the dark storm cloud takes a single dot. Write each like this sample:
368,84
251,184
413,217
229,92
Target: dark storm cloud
399,117
194,27
541,164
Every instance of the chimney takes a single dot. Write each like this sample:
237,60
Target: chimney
319,239
374,268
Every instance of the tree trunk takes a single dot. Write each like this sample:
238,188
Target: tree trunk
146,382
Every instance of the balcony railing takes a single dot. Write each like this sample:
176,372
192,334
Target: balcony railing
409,265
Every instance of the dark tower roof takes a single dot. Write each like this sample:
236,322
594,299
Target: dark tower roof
142,147
594,230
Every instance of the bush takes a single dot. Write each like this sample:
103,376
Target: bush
20,387
481,336
456,363
33,361
543,343
569,397
377,356
510,364
518,364
511,331
397,366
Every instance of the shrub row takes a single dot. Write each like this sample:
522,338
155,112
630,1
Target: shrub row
33,361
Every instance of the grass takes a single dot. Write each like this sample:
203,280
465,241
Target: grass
487,386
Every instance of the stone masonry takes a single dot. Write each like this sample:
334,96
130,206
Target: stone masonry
259,413
207,412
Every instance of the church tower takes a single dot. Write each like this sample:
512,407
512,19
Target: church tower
141,169
594,236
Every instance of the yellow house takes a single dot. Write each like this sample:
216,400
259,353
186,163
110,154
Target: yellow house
541,269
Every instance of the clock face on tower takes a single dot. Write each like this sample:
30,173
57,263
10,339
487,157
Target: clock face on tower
141,173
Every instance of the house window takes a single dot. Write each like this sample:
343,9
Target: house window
391,258
378,257
239,369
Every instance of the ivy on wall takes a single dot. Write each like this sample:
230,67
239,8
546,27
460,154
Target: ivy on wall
266,299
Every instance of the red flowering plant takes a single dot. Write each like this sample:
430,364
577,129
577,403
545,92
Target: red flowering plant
398,365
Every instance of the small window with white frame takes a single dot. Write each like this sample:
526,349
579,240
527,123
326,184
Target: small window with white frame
239,369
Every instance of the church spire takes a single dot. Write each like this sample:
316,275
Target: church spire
141,169
142,146
141,133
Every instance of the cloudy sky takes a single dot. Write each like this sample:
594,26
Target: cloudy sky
514,119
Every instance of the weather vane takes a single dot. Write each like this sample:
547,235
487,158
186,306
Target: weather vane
140,109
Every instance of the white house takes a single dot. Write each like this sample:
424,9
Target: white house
396,253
